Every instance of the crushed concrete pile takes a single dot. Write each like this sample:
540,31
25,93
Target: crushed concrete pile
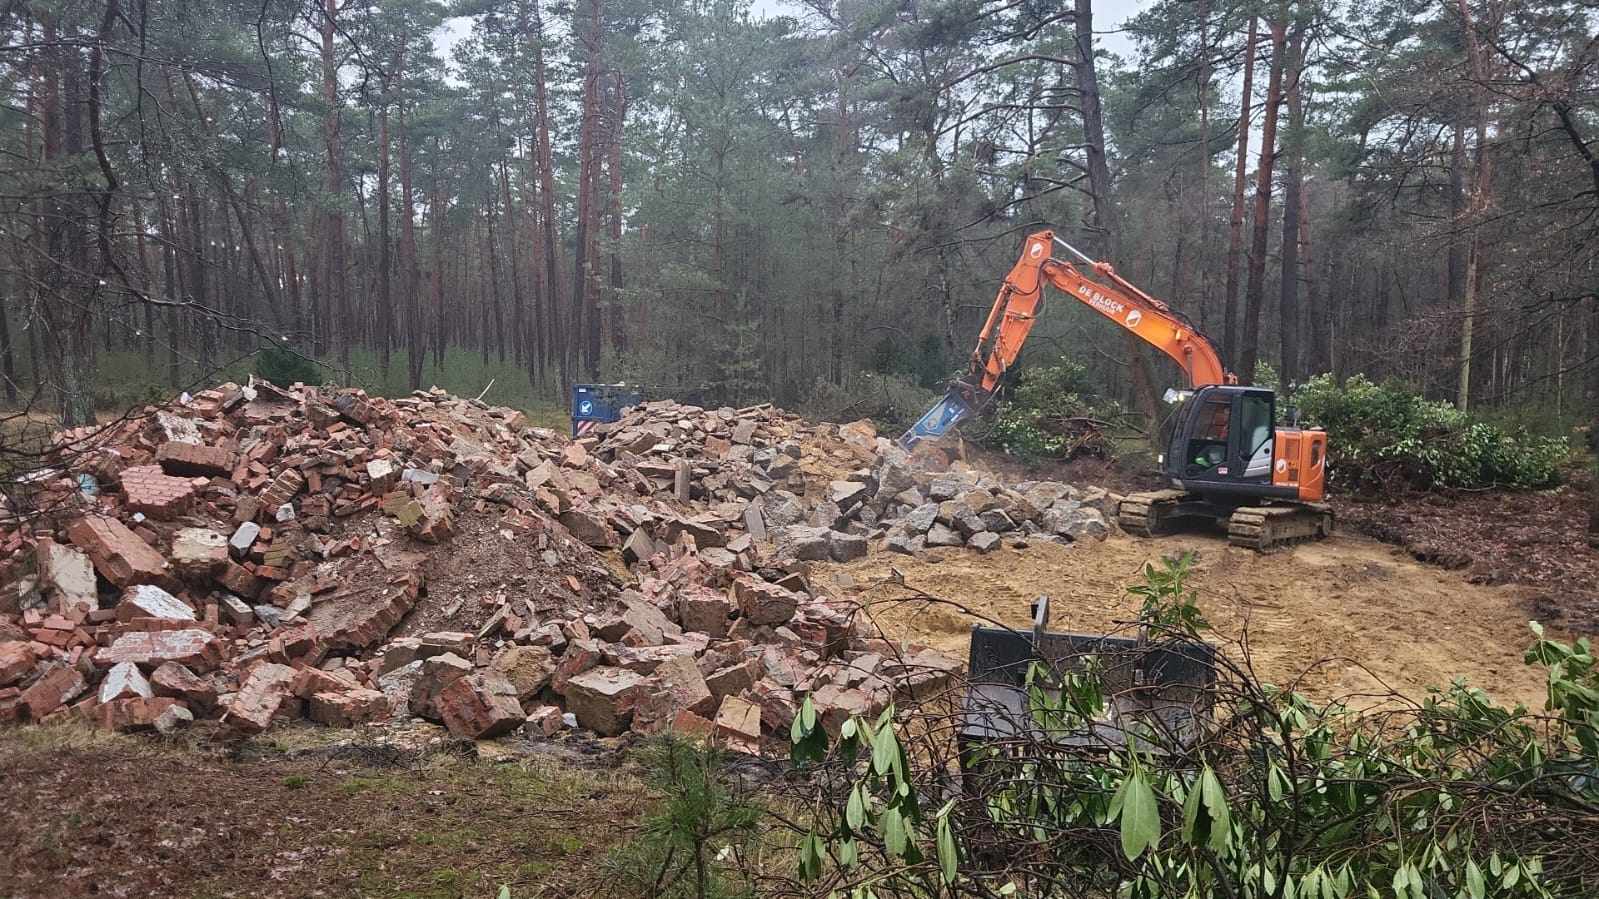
253,555
916,502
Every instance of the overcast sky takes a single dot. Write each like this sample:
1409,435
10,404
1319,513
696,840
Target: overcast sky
1108,18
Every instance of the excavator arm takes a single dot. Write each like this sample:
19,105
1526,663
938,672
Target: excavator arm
1015,311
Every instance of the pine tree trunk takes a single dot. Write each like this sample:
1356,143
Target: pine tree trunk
1235,239
613,215
385,303
1292,207
410,262
1105,214
554,328
496,306
1255,289
1478,206
338,319
8,362
512,245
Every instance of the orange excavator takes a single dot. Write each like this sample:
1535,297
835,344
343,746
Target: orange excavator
1225,458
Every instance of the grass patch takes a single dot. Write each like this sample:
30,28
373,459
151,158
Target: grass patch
66,736
301,822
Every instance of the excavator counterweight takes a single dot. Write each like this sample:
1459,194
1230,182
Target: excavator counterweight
1226,458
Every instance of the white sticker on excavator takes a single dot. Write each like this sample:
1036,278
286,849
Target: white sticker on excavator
1133,318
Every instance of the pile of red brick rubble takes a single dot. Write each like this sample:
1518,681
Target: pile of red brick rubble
254,554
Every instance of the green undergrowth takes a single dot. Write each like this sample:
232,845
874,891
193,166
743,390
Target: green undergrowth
1382,436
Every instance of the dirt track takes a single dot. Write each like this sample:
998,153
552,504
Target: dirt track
1380,617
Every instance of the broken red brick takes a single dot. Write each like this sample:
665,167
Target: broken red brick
285,487
174,679
738,722
260,697
132,713
778,707
704,610
837,704
301,642
688,724
528,668
736,678
58,687
438,672
683,680
545,721
16,660
157,495
118,554
480,706
240,580
360,617
190,460
311,681
580,656
348,708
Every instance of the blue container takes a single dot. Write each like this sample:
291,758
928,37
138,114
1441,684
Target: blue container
594,404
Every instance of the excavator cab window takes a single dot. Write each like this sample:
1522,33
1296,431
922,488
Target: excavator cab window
1207,441
1255,432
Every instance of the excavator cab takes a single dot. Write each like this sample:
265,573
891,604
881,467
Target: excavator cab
1224,444
1221,441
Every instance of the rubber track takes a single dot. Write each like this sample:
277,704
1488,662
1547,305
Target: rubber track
1265,528
1139,513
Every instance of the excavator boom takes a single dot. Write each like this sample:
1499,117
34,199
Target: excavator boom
1016,309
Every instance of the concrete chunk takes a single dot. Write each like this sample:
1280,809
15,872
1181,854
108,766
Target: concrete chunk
764,604
67,577
198,649
124,680
198,553
528,668
150,601
603,698
243,538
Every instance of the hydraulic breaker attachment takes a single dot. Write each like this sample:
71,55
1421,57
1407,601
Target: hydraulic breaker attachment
935,422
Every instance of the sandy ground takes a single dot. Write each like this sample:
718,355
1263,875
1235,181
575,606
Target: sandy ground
1346,617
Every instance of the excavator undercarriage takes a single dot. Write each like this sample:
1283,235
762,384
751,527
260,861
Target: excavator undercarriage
1264,528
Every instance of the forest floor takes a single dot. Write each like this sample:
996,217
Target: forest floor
303,813
1535,539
